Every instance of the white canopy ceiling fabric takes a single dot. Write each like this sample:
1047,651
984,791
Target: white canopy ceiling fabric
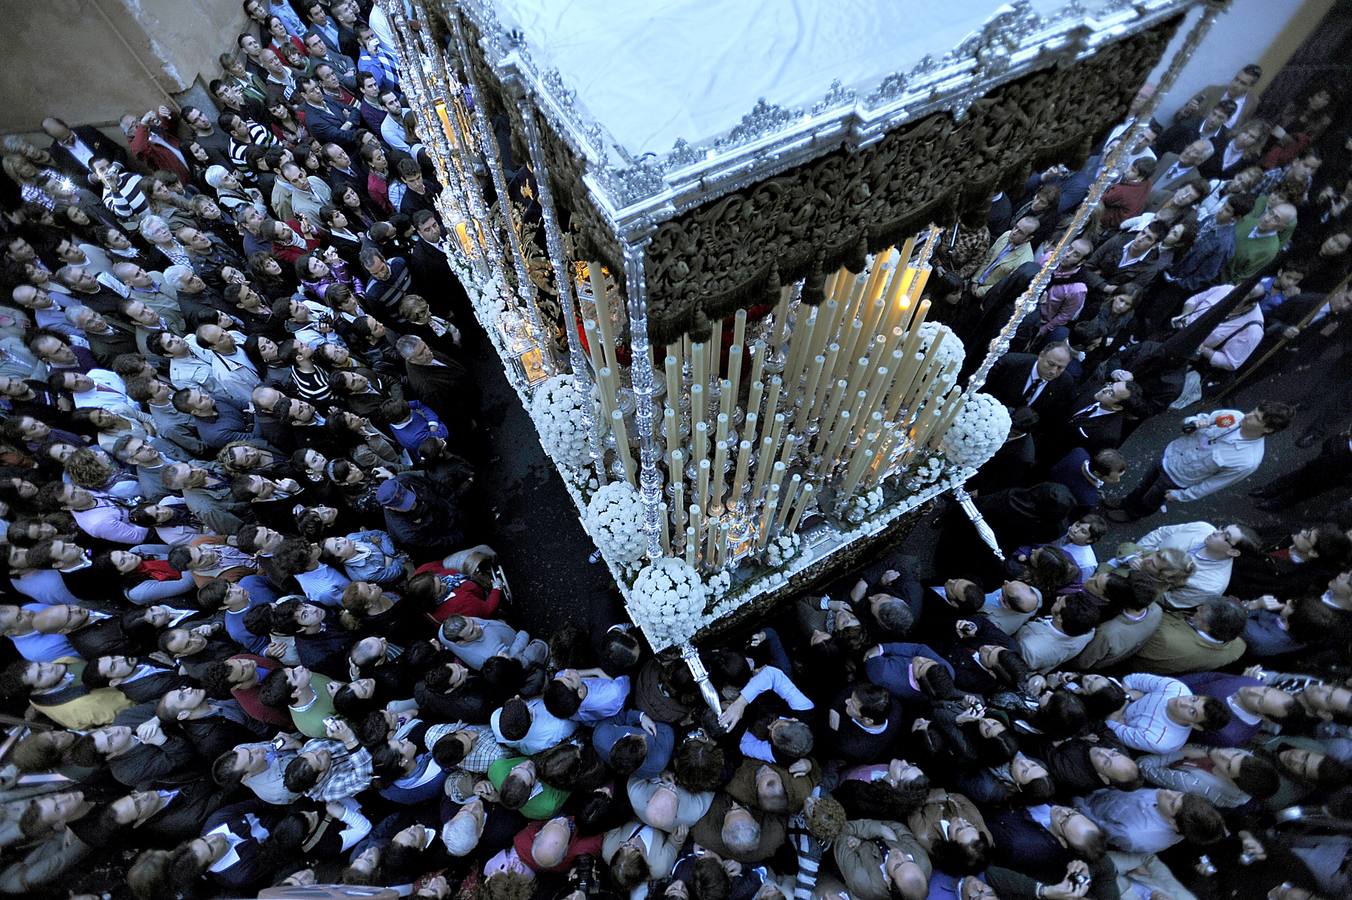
653,72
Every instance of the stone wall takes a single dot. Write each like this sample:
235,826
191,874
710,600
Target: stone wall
90,61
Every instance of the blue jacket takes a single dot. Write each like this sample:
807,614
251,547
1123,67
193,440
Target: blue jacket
892,668
660,745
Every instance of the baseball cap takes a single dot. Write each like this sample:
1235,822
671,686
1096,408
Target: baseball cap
393,495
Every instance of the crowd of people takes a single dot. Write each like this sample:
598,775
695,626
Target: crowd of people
253,622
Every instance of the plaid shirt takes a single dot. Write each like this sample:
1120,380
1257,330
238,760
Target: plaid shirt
349,773
483,753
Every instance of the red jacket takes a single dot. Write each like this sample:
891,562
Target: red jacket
156,156
248,698
1123,201
466,599
576,847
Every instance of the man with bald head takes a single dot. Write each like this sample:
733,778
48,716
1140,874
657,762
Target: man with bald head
880,860
47,313
735,832
1258,240
153,290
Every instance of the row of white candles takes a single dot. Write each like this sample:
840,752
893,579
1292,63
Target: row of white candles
853,366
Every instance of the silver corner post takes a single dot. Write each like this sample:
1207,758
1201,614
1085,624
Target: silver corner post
983,529
563,276
1108,174
696,666
489,144
641,372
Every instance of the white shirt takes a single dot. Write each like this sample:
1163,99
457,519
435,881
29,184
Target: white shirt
1211,575
1213,457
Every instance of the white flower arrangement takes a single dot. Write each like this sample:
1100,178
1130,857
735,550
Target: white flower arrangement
861,506
667,601
780,549
977,433
926,473
615,522
718,583
557,410
950,356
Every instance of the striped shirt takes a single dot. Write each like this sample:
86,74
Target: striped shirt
1145,722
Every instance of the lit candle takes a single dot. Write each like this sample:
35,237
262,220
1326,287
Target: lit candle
768,516
877,276
734,382
701,441
673,379
702,488
719,481
743,460
691,547
804,500
786,502
809,393
739,328
622,446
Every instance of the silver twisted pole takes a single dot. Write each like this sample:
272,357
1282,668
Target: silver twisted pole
563,276
1108,174
641,373
455,168
489,145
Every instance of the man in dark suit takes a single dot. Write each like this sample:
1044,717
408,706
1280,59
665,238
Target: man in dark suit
327,121
437,380
140,680
1097,421
72,149
165,817
1039,382
1044,851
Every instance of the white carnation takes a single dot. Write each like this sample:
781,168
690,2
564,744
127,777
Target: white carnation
781,549
667,601
615,522
557,409
861,506
977,433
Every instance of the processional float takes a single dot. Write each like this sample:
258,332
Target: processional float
718,318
